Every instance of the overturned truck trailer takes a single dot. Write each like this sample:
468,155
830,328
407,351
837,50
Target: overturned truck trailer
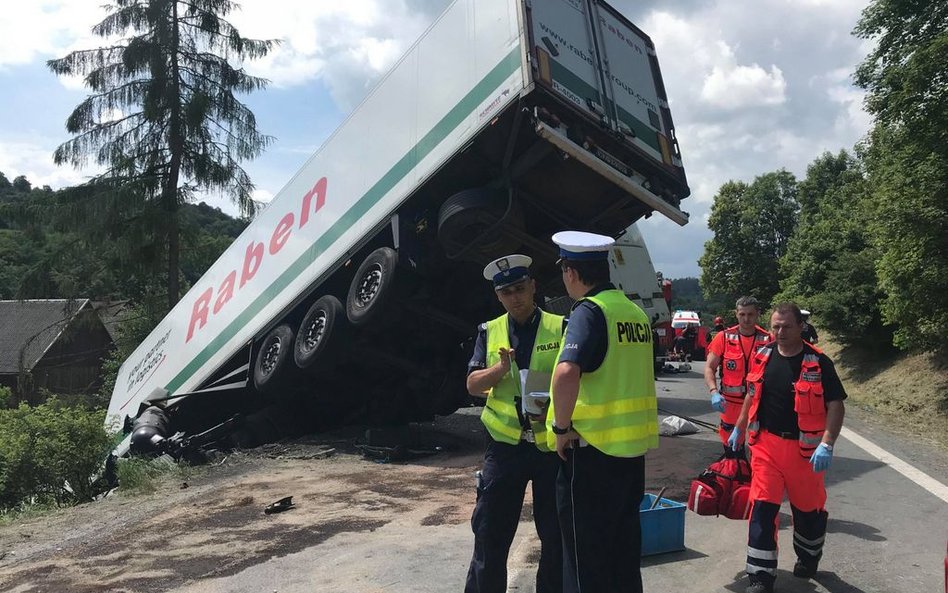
360,283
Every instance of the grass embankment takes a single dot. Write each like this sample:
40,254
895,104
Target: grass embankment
910,391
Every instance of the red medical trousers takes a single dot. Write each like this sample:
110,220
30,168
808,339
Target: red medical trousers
778,467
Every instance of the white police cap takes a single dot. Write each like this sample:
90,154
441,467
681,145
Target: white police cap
579,245
804,312
508,270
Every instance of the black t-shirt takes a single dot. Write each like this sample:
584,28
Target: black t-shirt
776,412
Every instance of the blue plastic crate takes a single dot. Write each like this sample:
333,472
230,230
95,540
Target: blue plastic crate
663,528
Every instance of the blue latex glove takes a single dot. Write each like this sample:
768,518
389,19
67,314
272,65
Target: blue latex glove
717,402
821,458
735,442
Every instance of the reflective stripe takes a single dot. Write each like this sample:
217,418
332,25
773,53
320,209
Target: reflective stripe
729,389
753,426
752,569
503,408
498,428
813,543
584,410
811,358
813,441
761,554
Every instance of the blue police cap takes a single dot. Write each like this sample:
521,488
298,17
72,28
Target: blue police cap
580,246
508,270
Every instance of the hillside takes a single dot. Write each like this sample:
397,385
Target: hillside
907,391
42,257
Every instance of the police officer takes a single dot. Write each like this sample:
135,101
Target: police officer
731,352
603,418
525,337
809,332
792,416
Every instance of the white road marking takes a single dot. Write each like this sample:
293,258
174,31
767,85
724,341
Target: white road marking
909,471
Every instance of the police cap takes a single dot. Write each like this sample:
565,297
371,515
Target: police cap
582,246
508,270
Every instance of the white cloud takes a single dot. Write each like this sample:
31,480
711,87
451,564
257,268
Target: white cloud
35,161
737,87
39,30
347,45
262,196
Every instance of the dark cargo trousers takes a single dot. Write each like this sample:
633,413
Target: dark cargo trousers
500,494
598,497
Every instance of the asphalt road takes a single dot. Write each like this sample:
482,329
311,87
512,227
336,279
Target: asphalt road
886,533
364,527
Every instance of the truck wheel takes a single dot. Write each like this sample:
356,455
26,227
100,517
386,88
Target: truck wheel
471,217
270,368
321,336
372,286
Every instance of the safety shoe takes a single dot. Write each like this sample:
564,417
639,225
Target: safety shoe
805,570
758,585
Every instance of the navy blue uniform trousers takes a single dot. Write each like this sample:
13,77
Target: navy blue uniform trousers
504,477
598,497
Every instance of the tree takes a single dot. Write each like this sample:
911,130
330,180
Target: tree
830,264
163,119
752,225
22,184
907,162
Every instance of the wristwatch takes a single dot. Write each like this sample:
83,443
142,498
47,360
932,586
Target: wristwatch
558,430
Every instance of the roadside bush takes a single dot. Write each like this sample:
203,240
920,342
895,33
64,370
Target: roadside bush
137,475
50,454
6,397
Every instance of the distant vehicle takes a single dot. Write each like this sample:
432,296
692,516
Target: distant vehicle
360,284
687,325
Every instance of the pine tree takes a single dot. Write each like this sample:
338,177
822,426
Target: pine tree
163,120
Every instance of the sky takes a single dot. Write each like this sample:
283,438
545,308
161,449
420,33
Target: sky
753,85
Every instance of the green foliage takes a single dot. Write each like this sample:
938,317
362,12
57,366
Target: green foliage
909,207
6,397
907,163
50,454
829,266
752,225
687,296
137,475
174,79
40,257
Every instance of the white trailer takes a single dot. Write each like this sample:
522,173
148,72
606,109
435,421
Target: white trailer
507,121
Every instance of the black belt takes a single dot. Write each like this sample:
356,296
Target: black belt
791,436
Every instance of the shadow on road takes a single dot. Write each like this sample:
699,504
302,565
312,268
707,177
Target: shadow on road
787,583
671,557
855,529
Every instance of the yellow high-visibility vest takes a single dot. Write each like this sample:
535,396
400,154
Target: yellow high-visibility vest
500,411
616,410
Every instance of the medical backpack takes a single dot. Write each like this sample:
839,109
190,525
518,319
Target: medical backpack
723,488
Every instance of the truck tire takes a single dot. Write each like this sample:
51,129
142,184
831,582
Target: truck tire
372,286
321,337
273,362
470,217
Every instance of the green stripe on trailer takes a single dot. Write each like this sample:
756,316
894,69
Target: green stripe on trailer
438,133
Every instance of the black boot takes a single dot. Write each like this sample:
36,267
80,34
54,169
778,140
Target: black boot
805,569
760,583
